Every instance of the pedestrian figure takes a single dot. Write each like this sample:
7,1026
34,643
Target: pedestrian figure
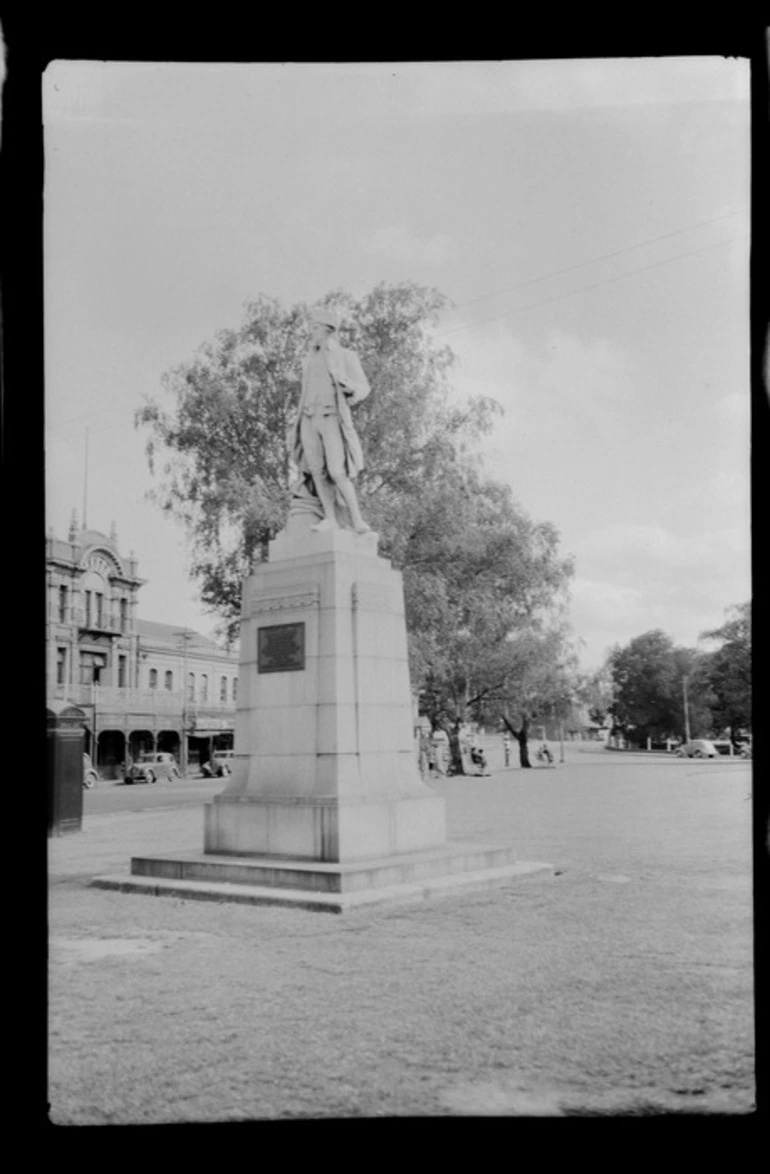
479,759
507,748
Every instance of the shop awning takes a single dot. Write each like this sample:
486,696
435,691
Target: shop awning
198,733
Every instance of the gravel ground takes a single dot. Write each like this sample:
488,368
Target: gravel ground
621,986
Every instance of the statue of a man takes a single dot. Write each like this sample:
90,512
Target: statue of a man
326,446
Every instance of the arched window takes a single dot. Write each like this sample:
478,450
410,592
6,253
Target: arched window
235,688
153,678
223,689
204,687
123,614
191,686
169,679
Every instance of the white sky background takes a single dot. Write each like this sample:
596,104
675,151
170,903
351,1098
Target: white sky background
174,193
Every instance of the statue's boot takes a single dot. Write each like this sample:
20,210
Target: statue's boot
325,524
348,494
326,497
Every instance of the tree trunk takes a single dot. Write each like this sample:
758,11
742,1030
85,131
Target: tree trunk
521,737
452,731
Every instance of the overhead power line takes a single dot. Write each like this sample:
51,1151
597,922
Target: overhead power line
68,425
595,260
586,288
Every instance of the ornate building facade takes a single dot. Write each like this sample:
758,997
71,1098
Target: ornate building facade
143,685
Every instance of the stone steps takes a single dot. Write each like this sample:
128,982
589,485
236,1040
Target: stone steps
316,885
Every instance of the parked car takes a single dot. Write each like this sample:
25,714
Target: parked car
148,768
697,748
90,776
219,765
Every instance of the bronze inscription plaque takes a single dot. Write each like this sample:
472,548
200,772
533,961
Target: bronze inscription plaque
281,648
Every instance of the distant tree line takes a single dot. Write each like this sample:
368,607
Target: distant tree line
651,688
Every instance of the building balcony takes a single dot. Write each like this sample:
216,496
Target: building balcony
168,702
106,626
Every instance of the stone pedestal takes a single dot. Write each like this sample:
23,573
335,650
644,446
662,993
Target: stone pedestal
325,808
324,765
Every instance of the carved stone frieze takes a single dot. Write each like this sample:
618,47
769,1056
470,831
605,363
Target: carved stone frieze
259,603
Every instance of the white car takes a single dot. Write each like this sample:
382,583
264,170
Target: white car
697,748
221,764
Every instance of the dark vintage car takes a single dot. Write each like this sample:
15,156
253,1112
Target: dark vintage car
148,768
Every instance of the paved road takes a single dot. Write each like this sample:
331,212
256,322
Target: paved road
109,797
623,985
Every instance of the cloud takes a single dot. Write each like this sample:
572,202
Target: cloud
727,500
650,553
632,578
612,602
604,612
399,243
650,549
567,402
730,417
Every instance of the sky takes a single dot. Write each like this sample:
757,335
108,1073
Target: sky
587,219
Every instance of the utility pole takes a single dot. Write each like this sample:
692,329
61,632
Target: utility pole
686,711
85,484
185,636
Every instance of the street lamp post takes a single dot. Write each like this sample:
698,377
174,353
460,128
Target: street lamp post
185,636
686,711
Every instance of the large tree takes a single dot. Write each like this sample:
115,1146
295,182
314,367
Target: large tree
651,678
537,682
220,442
647,692
485,592
728,671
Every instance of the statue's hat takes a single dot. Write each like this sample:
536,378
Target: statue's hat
326,316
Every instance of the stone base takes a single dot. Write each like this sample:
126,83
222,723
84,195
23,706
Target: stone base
331,830
319,886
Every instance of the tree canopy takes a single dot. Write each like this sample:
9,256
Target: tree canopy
651,678
222,450
485,592
728,670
